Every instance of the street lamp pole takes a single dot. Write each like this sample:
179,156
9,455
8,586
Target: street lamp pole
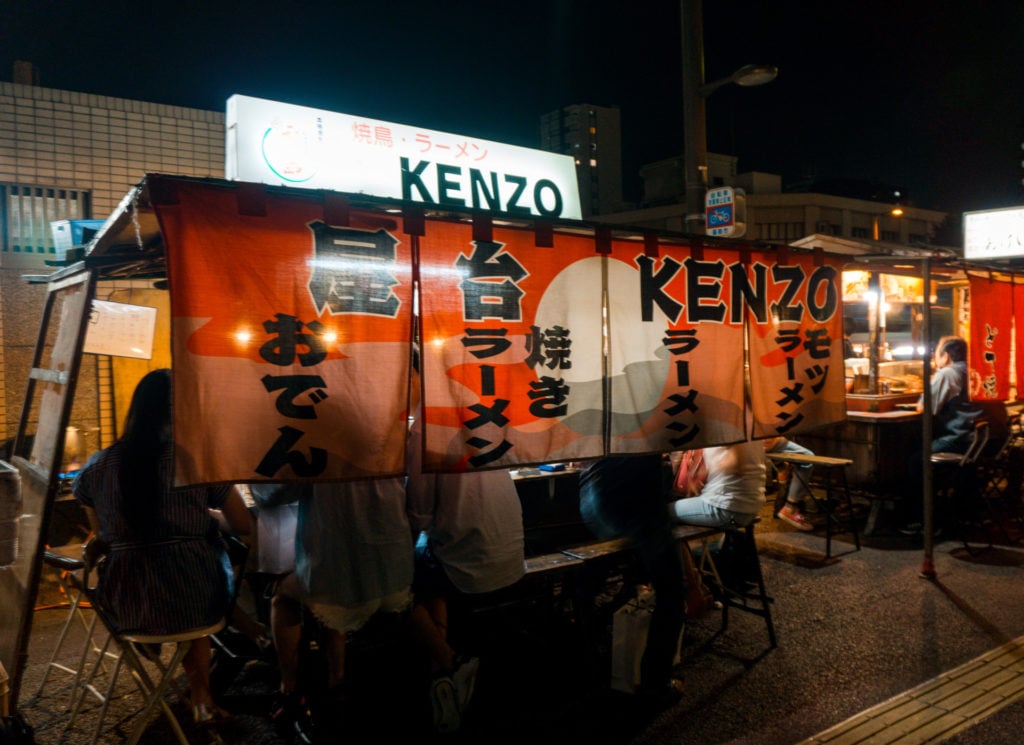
695,91
695,136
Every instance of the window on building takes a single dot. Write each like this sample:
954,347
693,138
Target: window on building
27,211
780,231
858,232
893,236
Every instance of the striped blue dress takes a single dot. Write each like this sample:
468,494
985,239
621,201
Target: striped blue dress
177,580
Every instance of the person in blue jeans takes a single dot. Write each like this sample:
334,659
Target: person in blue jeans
733,493
797,491
625,496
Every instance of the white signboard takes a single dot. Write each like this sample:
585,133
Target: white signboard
282,144
120,330
994,234
720,217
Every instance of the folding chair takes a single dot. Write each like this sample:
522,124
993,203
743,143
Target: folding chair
67,563
956,482
999,489
153,690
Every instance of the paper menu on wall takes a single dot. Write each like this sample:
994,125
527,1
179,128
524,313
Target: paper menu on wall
120,330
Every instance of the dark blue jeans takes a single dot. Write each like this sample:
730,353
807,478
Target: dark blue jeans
623,497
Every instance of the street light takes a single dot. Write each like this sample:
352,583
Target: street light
875,231
747,76
695,90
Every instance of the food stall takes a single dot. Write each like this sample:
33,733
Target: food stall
234,275
882,317
888,318
290,309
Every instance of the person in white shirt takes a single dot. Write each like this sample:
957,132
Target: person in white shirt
470,530
734,491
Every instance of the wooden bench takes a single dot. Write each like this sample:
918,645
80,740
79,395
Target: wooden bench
755,601
826,468
560,561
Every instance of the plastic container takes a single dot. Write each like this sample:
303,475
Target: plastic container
70,233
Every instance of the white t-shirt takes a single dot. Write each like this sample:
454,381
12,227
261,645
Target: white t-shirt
474,522
736,476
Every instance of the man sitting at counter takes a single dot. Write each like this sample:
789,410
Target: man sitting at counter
954,412
954,418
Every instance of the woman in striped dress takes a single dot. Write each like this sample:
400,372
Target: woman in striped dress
167,570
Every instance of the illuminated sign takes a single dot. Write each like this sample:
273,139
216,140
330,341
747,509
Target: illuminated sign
277,143
994,234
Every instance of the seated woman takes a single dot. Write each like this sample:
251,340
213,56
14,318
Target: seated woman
733,493
167,570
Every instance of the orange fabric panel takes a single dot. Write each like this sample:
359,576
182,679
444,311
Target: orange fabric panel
290,339
796,345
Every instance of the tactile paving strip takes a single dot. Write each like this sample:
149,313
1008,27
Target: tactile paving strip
940,707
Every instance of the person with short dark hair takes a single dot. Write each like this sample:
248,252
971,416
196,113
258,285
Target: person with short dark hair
954,416
953,411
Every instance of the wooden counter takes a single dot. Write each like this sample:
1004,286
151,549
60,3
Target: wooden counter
897,415
882,402
880,445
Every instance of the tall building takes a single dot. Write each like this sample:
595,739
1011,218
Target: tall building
67,155
592,135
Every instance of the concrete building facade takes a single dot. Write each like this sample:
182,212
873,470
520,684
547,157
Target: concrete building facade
68,155
592,135
773,215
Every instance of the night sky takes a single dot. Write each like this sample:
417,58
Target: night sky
926,96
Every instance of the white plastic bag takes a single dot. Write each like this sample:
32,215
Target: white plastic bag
629,637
